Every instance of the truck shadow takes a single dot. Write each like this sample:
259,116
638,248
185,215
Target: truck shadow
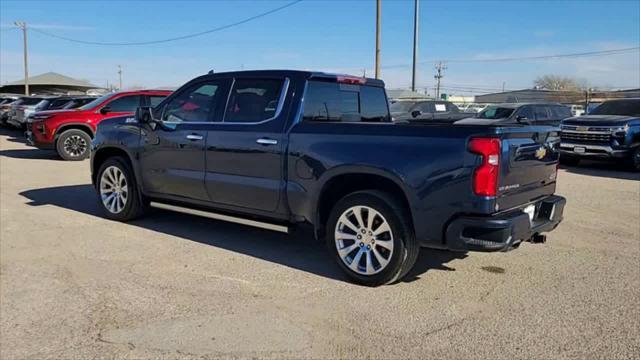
298,251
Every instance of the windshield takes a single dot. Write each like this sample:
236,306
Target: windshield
619,107
495,112
96,102
401,106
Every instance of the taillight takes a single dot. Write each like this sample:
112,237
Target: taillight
485,176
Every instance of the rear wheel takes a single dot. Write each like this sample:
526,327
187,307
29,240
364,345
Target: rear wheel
74,145
118,192
370,237
569,160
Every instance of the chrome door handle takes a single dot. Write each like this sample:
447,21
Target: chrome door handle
265,141
194,137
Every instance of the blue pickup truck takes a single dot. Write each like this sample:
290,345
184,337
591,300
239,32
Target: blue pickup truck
611,131
275,149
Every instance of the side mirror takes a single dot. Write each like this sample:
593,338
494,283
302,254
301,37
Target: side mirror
416,113
521,118
144,114
105,110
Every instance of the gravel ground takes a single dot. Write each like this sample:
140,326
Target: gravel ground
74,285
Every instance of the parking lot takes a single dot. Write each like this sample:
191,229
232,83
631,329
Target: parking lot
74,285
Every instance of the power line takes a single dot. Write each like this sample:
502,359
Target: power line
542,57
220,28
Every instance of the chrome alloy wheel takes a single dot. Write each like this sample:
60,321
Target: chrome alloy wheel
113,189
364,240
75,145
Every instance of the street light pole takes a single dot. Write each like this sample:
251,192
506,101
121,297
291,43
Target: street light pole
23,25
378,15
415,45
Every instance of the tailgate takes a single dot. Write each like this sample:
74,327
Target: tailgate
528,165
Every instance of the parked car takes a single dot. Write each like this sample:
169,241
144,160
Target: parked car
69,131
5,105
435,110
278,148
610,132
17,115
527,113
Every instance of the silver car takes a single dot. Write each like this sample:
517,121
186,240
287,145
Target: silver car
23,107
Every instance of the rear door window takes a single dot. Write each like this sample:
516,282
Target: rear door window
527,112
154,100
253,100
125,104
541,113
560,112
329,101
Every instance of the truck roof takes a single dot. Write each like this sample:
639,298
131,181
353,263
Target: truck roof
299,73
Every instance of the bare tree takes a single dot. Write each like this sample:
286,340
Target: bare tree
558,82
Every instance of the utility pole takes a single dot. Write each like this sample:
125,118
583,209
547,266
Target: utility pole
415,45
440,68
378,15
23,25
120,76
503,85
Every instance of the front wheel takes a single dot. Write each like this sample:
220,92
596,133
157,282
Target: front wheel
74,145
118,192
371,238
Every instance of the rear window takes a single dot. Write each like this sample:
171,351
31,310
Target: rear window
619,107
495,112
328,101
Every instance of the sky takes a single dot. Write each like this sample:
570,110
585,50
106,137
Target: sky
326,35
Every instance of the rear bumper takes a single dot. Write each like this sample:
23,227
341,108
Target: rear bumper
504,231
594,151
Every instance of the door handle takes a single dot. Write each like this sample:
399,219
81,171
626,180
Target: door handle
266,141
194,137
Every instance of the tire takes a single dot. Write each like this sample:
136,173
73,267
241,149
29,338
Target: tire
74,145
376,264
569,160
121,202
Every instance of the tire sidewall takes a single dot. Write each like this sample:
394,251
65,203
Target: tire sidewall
66,134
399,254
124,214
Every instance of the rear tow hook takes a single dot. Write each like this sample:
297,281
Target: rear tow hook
538,239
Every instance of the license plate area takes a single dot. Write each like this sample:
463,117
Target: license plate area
579,149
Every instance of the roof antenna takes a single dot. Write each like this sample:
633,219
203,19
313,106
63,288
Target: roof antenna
210,72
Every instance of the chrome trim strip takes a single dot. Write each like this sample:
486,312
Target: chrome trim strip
216,216
586,132
586,146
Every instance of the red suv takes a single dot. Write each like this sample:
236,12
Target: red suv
69,132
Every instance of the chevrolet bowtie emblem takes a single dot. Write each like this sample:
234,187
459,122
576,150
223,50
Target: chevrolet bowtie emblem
541,152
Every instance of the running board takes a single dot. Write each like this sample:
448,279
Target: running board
216,216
